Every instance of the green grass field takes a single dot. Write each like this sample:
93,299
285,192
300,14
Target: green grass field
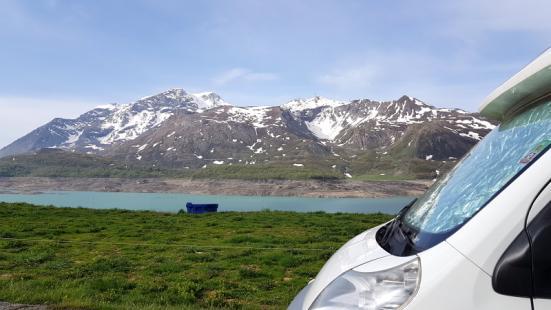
114,259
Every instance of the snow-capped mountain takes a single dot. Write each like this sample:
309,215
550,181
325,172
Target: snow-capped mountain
337,122
107,125
302,130
180,130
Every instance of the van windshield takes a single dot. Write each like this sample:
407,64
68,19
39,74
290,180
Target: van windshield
490,166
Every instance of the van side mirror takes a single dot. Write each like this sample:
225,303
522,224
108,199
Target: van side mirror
513,272
539,232
524,270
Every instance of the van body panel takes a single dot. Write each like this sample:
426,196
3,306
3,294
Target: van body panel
542,304
449,281
540,203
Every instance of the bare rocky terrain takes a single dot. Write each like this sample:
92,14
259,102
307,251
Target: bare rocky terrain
308,188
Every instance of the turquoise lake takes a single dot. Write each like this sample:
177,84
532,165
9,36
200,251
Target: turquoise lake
174,202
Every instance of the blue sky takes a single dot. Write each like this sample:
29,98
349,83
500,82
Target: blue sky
61,58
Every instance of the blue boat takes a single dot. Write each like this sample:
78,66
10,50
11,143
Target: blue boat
199,208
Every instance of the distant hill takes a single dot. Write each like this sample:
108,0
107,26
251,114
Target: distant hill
318,137
60,163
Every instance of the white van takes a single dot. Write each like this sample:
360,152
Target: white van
480,238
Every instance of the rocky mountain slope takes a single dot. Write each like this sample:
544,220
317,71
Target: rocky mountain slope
111,124
179,130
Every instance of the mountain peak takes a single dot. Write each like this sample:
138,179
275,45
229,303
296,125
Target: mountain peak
173,93
207,94
406,98
177,92
410,99
209,100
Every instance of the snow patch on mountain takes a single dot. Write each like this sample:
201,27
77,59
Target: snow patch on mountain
328,124
311,103
125,125
257,116
110,106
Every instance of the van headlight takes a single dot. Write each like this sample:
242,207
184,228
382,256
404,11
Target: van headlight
387,289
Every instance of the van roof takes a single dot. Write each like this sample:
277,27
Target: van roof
529,84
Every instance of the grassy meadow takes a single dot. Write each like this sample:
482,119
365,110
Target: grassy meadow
371,166
115,259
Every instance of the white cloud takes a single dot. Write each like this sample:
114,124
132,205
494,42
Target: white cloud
349,77
22,115
242,74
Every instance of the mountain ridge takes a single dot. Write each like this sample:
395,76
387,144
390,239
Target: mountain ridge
180,130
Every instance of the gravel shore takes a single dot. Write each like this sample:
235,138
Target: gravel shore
308,188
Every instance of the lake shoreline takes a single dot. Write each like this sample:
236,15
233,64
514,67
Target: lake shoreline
283,188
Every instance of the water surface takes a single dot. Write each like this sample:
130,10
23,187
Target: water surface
174,202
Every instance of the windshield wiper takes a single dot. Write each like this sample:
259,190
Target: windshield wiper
406,232
396,234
